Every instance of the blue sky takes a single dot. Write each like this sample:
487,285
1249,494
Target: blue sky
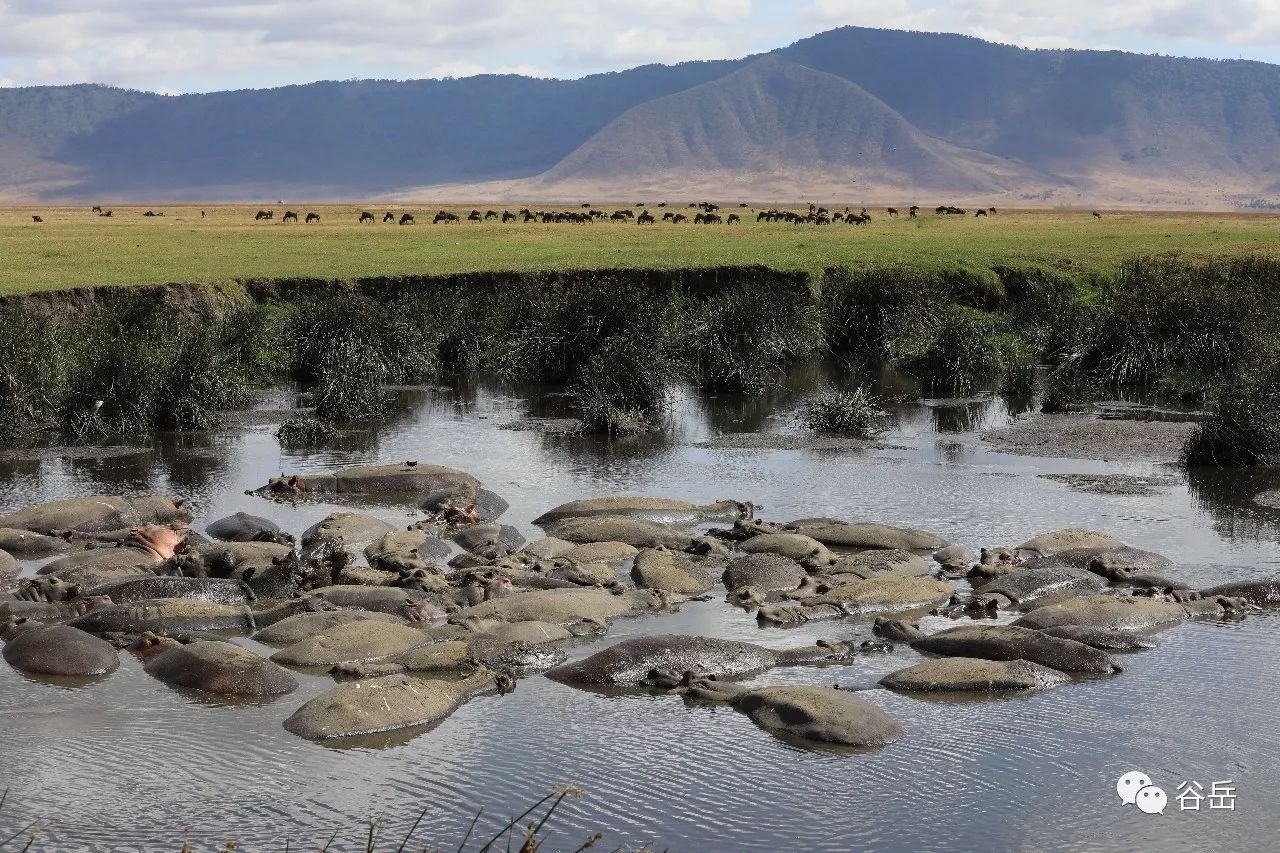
204,45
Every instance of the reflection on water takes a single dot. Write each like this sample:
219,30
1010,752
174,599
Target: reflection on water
125,762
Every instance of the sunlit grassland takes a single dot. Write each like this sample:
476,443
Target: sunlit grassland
74,247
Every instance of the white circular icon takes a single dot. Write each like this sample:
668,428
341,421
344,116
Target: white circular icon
1152,800
1130,784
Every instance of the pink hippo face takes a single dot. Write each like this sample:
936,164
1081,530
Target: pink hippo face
158,540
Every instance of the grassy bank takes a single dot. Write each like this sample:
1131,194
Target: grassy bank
74,247
127,360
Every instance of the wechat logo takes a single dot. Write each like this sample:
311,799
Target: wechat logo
1135,789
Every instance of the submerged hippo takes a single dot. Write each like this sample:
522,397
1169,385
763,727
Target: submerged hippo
763,572
243,527
52,611
961,674
351,532
1127,613
170,615
819,714
1023,587
637,532
352,641
97,514
55,649
404,481
866,535
489,540
796,546
1006,642
565,606
1259,593
217,590
889,593
214,667
665,510
299,627
1069,539
877,563
384,704
639,660
410,604
27,544
659,568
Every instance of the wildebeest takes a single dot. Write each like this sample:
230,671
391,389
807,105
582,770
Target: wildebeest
444,216
366,216
678,218
106,213
620,215
491,214
1097,215
915,209
979,212
37,219
733,219
313,217
97,208
152,213
389,217
893,211
406,219
991,210
508,216
263,214
473,216
289,216
645,218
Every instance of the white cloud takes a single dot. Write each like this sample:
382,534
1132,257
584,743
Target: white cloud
209,44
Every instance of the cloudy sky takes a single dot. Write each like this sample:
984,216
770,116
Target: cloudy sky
203,45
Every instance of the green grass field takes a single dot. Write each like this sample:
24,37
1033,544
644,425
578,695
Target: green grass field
73,247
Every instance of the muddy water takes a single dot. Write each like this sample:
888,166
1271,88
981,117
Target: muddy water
126,763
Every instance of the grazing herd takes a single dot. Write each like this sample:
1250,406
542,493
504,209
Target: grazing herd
708,214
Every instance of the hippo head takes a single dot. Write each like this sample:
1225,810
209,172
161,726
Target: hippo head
48,589
89,603
13,626
149,645
158,540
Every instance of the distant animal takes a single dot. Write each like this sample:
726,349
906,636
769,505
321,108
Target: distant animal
733,219
979,212
366,216
107,213
444,216
668,216
508,216
1097,215
389,217
893,211
915,209
619,215
289,216
473,216
263,214
678,218
491,214
202,214
97,208
406,219
645,218
152,213
991,210
313,217
37,219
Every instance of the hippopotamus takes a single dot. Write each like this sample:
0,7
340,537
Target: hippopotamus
792,615
351,532
217,590
795,546
1259,593
406,550
1069,539
212,667
243,527
820,714
648,661
598,552
898,630
876,563
866,535
637,532
961,674
241,560
170,615
25,543
480,507
52,611
352,641
410,604
385,704
1006,642
1109,639
404,481
44,588
489,540
301,626
1127,613
659,568
97,514
549,547
888,593
1028,585
566,606
663,510
55,649
763,572
9,567
955,559
100,565
996,563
